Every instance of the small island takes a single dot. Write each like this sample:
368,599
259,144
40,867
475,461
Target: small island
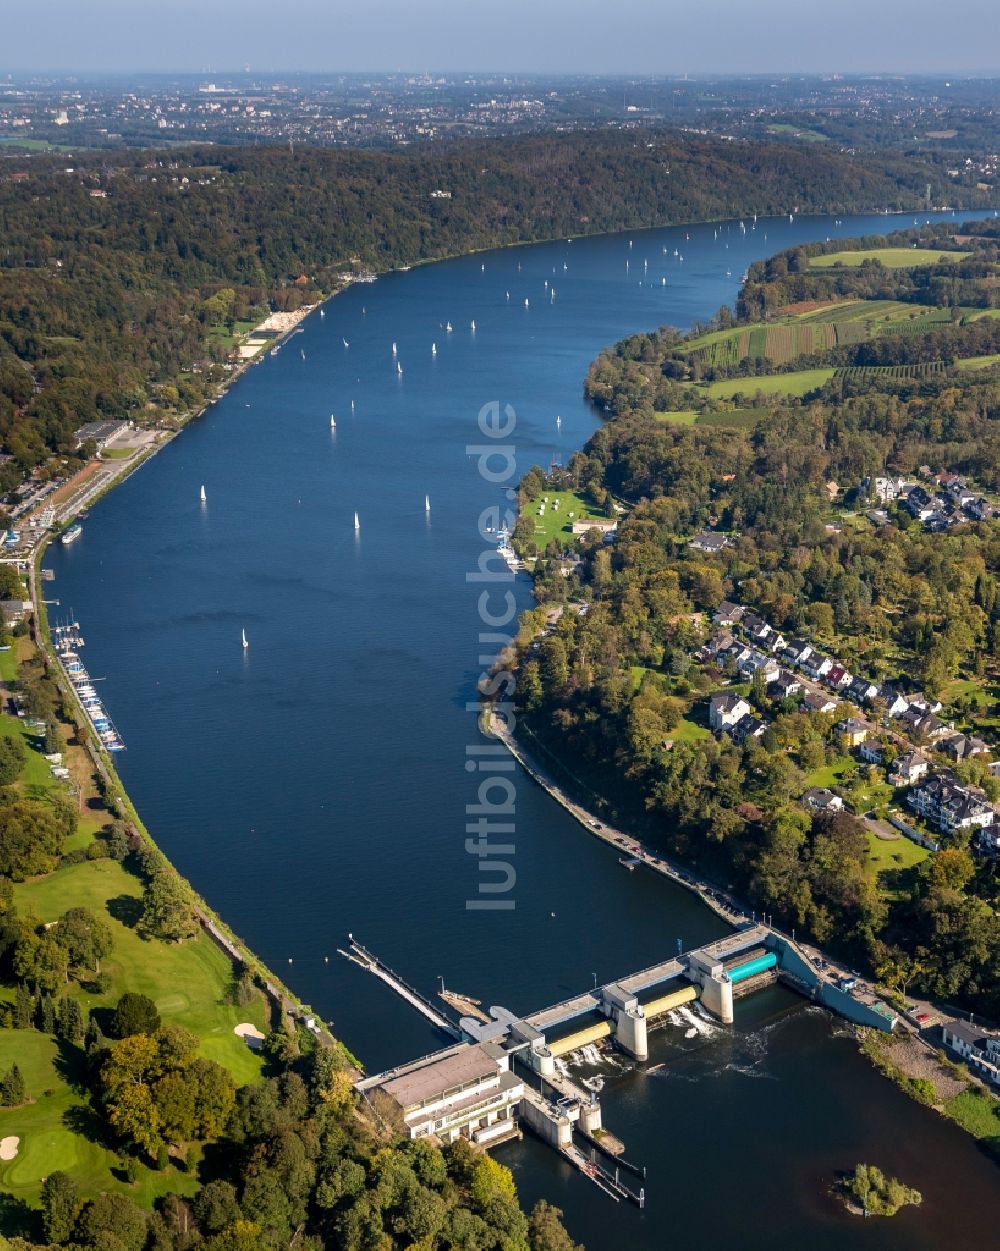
868,1192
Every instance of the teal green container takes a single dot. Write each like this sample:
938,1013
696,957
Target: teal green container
743,971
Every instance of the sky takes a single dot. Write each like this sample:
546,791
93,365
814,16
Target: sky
545,36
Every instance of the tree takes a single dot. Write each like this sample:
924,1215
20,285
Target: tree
135,1014
116,1215
70,1023
60,1205
40,960
166,908
86,937
546,1231
12,1091
12,757
215,1207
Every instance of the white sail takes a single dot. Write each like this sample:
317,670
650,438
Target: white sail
427,503
357,522
434,349
204,497
245,643
472,325
333,422
399,368
394,348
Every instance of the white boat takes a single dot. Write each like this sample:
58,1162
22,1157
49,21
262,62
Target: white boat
447,326
399,369
558,423
482,268
565,266
302,353
333,422
357,522
472,325
322,314
427,503
352,406
434,349
394,349
552,296
245,643
203,497
663,282
508,295
346,344
526,304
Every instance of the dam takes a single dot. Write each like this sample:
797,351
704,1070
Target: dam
503,1074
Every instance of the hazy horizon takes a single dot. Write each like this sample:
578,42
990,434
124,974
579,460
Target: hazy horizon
619,37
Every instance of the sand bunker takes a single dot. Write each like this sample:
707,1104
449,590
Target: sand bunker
250,1034
8,1148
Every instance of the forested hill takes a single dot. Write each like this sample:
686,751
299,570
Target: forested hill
121,284
832,471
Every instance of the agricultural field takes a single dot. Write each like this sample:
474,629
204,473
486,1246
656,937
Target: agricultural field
978,362
798,383
891,258
813,330
793,132
890,372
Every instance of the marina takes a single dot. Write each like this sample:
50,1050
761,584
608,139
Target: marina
67,642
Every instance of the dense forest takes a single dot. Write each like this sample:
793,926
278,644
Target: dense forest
617,689
120,283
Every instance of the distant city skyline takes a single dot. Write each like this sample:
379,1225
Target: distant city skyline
518,36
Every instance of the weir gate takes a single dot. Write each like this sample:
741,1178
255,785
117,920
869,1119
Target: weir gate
504,1071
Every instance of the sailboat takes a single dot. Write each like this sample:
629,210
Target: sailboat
357,522
508,295
472,325
526,304
552,296
302,353
558,423
482,268
346,344
322,314
427,503
447,327
203,496
434,349
399,369
394,349
245,642
333,422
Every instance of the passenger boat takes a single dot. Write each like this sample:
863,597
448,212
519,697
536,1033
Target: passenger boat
72,534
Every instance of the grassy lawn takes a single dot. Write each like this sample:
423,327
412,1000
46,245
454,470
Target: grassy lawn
832,774
8,665
186,981
891,258
887,855
688,731
798,383
810,136
979,1115
117,453
36,774
556,521
978,362
54,1132
679,417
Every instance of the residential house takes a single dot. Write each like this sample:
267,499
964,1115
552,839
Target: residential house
894,701
822,799
816,701
950,805
885,490
978,1048
747,727
853,730
798,651
838,677
709,543
862,690
872,752
756,662
908,768
784,685
962,746
725,709
728,614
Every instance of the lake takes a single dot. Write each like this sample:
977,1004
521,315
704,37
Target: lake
315,784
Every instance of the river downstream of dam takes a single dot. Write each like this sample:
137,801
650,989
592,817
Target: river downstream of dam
315,782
